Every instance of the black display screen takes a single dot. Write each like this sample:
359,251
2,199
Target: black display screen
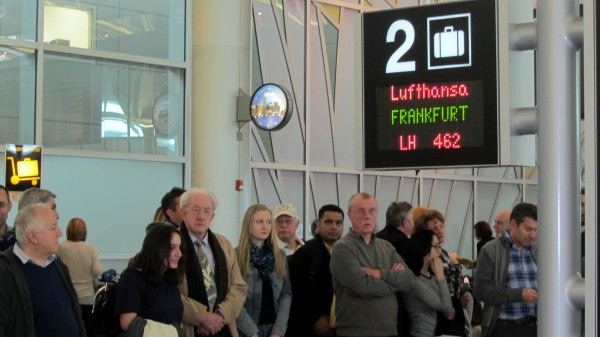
430,86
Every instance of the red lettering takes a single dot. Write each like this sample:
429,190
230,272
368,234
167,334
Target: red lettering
409,144
428,91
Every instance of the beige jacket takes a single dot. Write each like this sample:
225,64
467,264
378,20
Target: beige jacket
193,311
84,267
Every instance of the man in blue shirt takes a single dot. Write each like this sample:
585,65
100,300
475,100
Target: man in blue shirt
506,278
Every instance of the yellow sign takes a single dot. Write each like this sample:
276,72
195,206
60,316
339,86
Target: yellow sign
23,167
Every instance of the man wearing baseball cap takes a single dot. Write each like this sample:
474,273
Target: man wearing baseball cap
286,224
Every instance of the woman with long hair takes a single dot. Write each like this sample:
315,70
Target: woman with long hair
148,291
84,266
264,268
423,259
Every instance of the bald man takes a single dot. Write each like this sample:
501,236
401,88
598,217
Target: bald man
502,221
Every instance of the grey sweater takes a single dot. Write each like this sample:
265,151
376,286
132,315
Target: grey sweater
423,309
366,305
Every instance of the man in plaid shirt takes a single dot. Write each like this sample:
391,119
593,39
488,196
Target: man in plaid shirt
506,278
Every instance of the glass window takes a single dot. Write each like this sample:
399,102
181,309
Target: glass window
17,94
18,19
136,27
99,105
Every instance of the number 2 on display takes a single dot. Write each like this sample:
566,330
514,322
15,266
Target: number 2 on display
394,65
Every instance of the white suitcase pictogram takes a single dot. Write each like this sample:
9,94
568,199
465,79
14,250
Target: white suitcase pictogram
449,43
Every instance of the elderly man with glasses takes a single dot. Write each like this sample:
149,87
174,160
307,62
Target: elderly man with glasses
366,273
213,290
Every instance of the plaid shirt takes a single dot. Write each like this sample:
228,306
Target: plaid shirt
522,273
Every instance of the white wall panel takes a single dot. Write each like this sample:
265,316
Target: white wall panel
288,143
345,110
320,131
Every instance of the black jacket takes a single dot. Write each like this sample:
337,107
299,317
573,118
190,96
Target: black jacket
16,312
311,286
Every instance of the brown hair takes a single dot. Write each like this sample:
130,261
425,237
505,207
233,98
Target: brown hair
422,220
76,230
483,230
156,250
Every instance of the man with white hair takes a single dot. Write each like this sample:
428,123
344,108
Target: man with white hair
502,221
213,291
37,296
366,273
31,196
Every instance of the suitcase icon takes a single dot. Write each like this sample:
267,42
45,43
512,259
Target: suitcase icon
449,43
26,169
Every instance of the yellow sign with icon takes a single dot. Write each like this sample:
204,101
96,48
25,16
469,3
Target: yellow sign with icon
23,166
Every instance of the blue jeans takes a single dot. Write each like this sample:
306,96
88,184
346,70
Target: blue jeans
265,330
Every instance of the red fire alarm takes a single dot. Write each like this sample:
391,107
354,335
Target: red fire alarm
239,185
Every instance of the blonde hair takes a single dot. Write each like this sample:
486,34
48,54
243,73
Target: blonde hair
159,215
245,242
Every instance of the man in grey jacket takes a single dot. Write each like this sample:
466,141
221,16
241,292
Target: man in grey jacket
366,273
506,278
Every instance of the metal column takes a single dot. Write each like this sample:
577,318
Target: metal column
558,153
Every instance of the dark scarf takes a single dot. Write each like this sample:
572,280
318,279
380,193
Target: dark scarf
193,271
263,260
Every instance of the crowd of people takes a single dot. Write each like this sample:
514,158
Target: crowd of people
188,280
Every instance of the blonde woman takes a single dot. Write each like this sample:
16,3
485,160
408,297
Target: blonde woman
84,266
264,268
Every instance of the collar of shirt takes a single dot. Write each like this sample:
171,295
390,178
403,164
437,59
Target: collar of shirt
288,249
25,258
513,246
203,242
205,248
328,247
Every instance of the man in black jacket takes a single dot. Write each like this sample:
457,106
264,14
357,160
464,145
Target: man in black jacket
37,296
310,314
398,226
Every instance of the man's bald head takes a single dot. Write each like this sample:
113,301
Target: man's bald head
502,221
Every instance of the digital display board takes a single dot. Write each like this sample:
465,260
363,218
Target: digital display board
430,86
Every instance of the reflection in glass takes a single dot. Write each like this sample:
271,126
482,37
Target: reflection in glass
18,19
128,27
17,94
331,39
98,105
270,107
68,26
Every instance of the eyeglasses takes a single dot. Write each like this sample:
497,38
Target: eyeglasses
363,212
436,246
286,221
